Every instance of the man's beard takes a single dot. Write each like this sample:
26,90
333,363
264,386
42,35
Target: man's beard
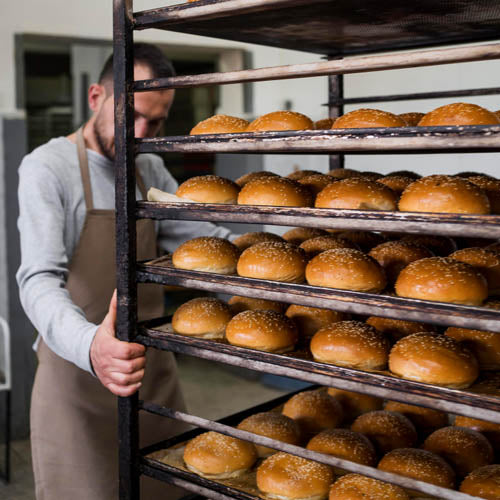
107,150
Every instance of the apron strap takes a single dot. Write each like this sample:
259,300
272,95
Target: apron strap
83,163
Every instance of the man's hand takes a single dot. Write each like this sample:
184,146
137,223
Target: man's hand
118,365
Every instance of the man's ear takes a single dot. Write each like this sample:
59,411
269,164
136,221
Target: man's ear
97,95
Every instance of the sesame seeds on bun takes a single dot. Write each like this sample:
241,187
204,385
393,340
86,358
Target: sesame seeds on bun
459,113
209,189
298,235
319,244
280,120
355,403
316,182
239,304
310,319
483,482
398,183
300,174
396,329
248,239
358,487
368,118
412,118
246,178
220,124
440,246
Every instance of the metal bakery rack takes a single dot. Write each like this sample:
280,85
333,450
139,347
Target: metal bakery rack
335,30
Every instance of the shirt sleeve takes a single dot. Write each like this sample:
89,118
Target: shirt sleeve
44,266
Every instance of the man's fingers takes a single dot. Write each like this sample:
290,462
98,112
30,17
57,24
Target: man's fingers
128,350
110,319
123,379
128,366
123,391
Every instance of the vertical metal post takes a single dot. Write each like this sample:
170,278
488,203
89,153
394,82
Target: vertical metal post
335,92
123,68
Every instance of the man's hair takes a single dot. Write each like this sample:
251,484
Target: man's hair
146,54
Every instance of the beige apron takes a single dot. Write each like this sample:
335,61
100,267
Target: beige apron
74,423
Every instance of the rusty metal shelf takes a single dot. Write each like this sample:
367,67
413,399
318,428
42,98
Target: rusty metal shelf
339,28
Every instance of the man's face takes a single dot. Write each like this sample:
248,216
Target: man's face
150,111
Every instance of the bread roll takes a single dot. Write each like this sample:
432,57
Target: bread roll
273,260
483,482
298,235
319,244
464,449
491,188
438,245
310,319
272,425
421,465
207,253
316,182
248,239
358,487
366,240
346,269
444,194
433,359
220,124
357,193
459,113
387,430
204,317
344,173
352,344
368,118
209,189
354,403
217,456
404,173
262,330
489,384
394,256
396,329
494,247
245,179
411,119
239,304
442,279
324,124
490,430
287,477
314,411
397,183
280,120
275,191
300,174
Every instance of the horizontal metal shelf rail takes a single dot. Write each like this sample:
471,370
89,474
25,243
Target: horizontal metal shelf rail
480,226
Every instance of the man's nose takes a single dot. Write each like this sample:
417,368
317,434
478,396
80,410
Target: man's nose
141,127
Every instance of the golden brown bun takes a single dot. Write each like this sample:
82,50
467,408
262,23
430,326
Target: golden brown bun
248,239
345,444
298,235
464,449
394,256
314,411
273,260
347,269
396,329
368,118
433,359
411,119
324,124
344,173
371,176
483,483
280,120
287,477
358,487
489,384
366,240
459,113
490,430
239,304
386,429
272,425
262,330
444,194
245,179
494,247
419,464
300,174
220,124
438,245
310,319
405,173
468,174
204,317
207,253
425,420
316,182
352,344
442,279
215,455
357,193
209,189
397,183
354,403
315,246
491,187
275,191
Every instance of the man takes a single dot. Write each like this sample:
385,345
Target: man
66,281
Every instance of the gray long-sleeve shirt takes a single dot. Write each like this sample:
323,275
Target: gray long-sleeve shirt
52,213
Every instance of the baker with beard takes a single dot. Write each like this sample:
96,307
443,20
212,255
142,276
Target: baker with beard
66,281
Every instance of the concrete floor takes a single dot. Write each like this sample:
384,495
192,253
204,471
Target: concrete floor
206,386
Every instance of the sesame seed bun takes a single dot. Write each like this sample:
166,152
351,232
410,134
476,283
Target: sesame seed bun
217,456
287,477
272,425
239,304
204,317
315,246
405,173
300,174
463,448
442,279
398,183
248,239
357,193
358,487
324,124
273,260
316,182
298,235
459,113
280,120
387,430
438,245
344,173
245,179
355,403
490,430
368,118
491,188
310,319
396,329
411,118
366,240
483,482
433,359
207,253
444,194
347,269
262,330
220,124
351,343
209,189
